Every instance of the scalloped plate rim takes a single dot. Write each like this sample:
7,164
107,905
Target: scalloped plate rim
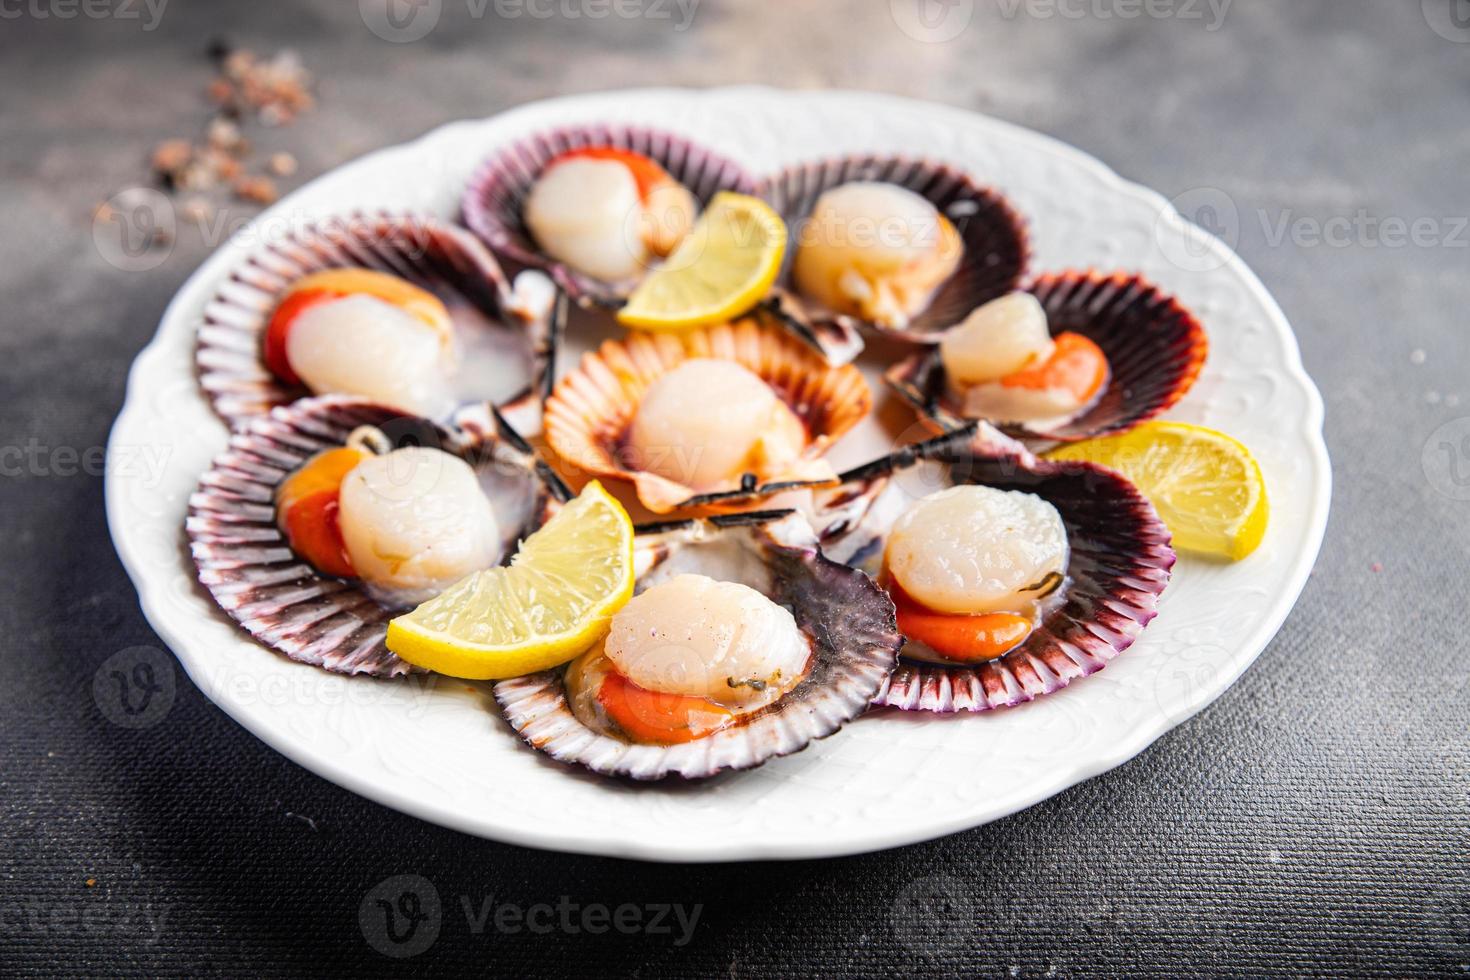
151,588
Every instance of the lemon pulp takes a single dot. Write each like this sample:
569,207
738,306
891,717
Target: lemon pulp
1206,485
722,268
550,604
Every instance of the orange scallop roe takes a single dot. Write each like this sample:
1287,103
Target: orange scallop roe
646,173
319,287
663,719
1077,365
964,639
307,510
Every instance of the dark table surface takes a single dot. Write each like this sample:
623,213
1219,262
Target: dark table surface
1314,820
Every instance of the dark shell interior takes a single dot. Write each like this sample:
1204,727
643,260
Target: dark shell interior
1118,566
997,248
492,203
1155,349
245,562
750,491
447,261
848,619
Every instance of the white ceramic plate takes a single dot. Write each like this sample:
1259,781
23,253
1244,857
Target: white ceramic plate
436,748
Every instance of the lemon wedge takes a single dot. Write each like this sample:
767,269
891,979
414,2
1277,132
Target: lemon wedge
722,268
1207,487
550,604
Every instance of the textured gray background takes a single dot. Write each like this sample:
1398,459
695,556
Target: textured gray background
1314,820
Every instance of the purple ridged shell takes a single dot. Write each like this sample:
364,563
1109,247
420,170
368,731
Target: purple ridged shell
997,248
1155,348
492,203
1118,567
443,259
849,620
285,603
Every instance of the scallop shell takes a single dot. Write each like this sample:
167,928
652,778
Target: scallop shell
245,562
493,200
1155,348
1119,563
591,407
997,247
447,261
848,618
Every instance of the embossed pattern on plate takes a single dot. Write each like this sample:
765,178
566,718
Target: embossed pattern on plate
436,748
